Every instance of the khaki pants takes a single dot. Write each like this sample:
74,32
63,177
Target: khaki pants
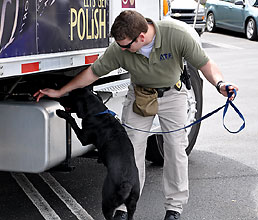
172,115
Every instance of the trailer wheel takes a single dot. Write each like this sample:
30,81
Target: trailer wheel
154,152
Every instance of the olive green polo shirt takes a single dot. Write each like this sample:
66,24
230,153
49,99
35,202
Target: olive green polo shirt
165,64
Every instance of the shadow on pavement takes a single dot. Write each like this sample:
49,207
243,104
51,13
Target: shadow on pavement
230,33
220,188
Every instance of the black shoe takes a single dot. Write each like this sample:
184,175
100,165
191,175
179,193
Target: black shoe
172,215
120,215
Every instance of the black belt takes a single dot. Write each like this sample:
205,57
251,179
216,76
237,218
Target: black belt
161,91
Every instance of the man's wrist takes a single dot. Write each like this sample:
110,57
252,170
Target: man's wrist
62,91
218,85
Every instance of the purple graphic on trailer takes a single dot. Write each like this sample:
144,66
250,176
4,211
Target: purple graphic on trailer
51,26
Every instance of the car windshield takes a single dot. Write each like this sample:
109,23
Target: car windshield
254,3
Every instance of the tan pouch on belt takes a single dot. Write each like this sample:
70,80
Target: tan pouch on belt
146,101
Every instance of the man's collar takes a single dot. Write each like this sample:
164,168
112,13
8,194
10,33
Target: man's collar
157,43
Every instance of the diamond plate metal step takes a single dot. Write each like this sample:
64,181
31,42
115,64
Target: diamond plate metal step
117,88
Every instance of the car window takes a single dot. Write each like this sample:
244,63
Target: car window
238,0
253,2
230,1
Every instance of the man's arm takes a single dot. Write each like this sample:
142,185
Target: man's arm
212,73
85,78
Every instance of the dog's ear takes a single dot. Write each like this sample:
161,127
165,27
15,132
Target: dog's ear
89,92
98,95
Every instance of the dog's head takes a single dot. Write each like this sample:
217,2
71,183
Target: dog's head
83,102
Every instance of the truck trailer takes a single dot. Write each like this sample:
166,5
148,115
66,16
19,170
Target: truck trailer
45,43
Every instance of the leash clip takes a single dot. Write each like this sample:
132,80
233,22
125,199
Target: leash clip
107,111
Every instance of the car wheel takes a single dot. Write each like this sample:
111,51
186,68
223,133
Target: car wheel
251,29
154,152
210,23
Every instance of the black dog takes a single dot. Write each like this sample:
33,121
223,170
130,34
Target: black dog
121,185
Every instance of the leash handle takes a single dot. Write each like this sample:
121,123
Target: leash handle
229,102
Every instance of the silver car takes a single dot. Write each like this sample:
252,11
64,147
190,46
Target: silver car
189,12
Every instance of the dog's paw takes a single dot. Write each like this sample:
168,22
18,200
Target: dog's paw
61,113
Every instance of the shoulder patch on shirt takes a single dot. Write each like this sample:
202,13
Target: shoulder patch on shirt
165,56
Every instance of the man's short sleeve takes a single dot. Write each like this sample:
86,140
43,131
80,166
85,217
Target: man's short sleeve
193,52
107,62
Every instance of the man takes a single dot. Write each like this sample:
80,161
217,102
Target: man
153,54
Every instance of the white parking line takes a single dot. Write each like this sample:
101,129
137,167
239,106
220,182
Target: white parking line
41,204
68,200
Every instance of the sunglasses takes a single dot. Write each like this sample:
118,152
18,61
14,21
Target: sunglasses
127,46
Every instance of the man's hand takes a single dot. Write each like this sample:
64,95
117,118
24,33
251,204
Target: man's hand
48,92
231,88
85,78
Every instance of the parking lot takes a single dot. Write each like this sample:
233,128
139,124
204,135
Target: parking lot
223,167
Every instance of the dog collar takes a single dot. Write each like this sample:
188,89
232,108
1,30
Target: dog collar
107,112
111,113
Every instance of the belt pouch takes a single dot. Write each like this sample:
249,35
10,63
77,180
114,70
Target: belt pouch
146,101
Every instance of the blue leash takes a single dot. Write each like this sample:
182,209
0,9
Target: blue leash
236,110
228,102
